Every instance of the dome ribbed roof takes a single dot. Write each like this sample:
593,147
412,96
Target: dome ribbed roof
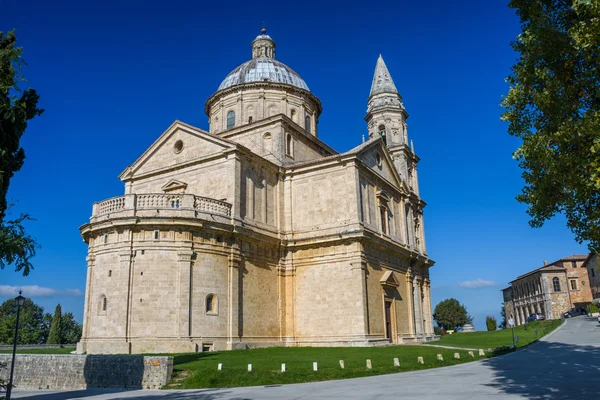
263,69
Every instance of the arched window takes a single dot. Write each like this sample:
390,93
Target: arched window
102,305
293,115
556,284
307,123
288,145
230,119
381,130
211,304
267,142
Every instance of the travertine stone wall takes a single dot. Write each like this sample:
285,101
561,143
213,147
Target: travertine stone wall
64,372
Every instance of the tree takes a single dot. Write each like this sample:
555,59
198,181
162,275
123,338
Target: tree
503,323
55,335
71,329
31,328
490,323
17,107
450,314
553,105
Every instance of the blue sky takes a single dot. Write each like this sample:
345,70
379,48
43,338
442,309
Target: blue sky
113,75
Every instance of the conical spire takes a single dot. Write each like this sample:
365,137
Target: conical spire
382,80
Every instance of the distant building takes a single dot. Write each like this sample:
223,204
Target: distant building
550,290
591,264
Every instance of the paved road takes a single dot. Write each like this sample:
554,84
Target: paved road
563,366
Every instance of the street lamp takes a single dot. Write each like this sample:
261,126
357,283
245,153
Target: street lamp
19,300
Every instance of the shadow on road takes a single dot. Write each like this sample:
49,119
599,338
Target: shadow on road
549,370
205,394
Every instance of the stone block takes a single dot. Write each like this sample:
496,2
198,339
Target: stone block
342,364
420,360
396,362
440,357
481,352
369,365
457,356
471,354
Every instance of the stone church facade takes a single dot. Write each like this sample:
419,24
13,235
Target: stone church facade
256,233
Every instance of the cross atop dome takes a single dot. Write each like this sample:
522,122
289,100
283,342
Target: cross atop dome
263,46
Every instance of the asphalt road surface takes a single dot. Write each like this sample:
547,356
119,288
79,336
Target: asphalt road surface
564,365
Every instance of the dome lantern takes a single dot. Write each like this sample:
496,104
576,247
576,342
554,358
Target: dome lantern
263,46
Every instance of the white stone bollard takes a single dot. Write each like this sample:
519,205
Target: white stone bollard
440,357
490,350
315,366
481,352
471,354
282,367
420,360
369,365
457,356
396,362
219,367
249,367
342,364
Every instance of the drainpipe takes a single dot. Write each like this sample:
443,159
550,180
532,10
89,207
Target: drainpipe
568,289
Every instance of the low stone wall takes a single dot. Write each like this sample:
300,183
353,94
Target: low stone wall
45,371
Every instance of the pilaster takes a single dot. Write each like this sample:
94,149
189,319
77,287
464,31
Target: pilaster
185,262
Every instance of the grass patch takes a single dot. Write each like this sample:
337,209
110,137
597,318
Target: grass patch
484,340
61,350
199,370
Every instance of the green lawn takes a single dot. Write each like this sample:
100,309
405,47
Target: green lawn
63,350
484,340
199,370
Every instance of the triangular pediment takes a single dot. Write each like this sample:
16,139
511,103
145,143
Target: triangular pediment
376,156
174,185
179,144
389,279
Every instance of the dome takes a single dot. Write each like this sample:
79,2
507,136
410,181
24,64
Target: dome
262,69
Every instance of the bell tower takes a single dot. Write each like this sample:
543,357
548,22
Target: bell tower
386,117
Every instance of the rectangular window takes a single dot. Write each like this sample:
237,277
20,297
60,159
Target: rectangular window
573,264
110,272
384,222
573,284
156,235
593,272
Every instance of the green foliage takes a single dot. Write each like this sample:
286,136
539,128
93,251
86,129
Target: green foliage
55,335
490,323
592,308
503,323
70,329
17,107
31,327
553,105
451,315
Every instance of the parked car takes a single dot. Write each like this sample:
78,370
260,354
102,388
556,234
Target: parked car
599,319
535,317
574,312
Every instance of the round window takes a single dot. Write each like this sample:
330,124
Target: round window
178,146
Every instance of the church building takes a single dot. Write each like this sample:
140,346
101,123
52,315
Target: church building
256,233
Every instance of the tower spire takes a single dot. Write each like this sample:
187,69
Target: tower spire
382,80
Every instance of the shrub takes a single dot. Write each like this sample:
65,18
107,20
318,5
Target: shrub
592,308
490,322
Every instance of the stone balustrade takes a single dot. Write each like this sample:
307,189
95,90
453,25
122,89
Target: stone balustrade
161,201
